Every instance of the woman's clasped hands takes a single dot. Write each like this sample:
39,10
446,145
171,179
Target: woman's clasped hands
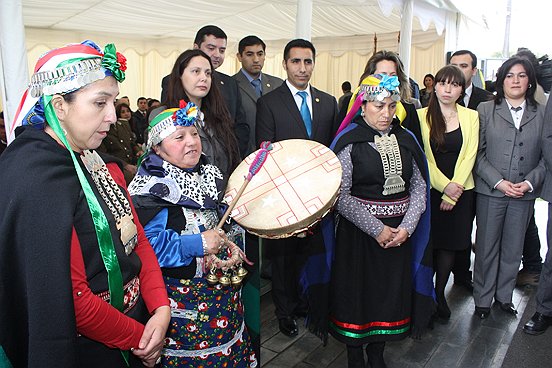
391,237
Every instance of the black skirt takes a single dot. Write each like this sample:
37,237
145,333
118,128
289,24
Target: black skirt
451,230
371,287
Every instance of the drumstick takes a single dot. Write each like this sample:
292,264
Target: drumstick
254,168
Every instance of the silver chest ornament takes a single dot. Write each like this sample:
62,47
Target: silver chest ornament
114,199
390,154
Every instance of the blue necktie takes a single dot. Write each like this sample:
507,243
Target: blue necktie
305,112
258,88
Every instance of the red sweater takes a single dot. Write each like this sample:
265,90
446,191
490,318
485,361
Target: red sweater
97,319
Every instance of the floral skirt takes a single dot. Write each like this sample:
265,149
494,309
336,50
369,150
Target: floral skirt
207,328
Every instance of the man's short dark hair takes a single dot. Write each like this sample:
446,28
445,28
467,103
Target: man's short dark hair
524,52
303,44
206,31
140,99
466,52
346,86
250,41
151,101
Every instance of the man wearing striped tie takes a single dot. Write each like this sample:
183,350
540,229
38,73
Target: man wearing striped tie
294,110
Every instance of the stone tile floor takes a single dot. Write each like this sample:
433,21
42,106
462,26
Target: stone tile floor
465,341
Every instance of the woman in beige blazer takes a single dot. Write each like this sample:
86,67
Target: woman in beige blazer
450,134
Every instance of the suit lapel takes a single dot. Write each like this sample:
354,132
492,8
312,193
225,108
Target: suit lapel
246,86
504,112
529,114
315,110
289,102
473,101
268,84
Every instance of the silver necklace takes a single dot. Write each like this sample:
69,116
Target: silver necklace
113,197
390,154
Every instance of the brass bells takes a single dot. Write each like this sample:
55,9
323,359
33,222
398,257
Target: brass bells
212,279
241,272
226,278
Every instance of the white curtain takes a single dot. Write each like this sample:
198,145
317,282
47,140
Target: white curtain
338,59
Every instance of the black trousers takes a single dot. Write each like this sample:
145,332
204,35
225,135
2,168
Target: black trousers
532,260
288,256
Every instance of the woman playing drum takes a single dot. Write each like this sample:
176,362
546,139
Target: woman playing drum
176,194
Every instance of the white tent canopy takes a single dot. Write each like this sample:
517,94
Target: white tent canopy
270,20
152,34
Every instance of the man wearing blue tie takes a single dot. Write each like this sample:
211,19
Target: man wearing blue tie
294,110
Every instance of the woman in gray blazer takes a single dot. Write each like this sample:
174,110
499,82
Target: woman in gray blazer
509,173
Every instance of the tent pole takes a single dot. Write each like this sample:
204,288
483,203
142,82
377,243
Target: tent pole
303,20
406,34
452,27
14,72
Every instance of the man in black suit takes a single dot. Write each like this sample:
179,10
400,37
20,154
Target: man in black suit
212,41
532,261
473,96
139,123
294,110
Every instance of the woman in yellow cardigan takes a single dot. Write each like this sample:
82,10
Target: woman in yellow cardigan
450,134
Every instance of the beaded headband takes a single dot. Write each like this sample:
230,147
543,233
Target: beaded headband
380,86
75,74
166,122
375,87
65,70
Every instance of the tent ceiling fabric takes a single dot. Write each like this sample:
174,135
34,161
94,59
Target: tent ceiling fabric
270,20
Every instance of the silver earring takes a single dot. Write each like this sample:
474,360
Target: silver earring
362,113
530,85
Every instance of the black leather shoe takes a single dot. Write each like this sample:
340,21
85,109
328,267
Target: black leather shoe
482,312
508,308
288,326
466,284
443,310
537,324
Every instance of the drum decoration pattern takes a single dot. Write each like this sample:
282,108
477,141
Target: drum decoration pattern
297,185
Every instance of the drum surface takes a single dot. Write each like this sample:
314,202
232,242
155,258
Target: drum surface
297,185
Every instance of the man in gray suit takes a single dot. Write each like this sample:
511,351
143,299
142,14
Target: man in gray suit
543,316
253,83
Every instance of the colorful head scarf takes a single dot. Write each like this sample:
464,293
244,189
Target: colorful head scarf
164,124
375,87
380,86
65,70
